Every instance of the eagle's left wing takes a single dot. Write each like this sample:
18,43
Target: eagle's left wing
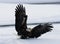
20,19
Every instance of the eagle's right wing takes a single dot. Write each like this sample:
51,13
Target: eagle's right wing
40,29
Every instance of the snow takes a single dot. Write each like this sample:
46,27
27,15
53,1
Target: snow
36,13
8,36
46,13
28,1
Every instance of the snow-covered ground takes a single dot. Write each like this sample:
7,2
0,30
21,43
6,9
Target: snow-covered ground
8,36
36,13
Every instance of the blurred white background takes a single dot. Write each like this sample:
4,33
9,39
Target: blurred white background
36,13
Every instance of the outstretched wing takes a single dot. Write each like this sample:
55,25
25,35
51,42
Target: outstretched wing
20,14
20,18
46,28
40,29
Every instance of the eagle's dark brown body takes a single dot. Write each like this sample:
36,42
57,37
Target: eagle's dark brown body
21,25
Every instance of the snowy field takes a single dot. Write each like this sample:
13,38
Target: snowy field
8,36
36,14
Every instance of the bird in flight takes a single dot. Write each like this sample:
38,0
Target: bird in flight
21,25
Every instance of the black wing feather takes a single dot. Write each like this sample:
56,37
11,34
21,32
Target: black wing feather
20,19
40,29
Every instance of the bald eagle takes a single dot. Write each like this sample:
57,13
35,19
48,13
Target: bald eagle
21,25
